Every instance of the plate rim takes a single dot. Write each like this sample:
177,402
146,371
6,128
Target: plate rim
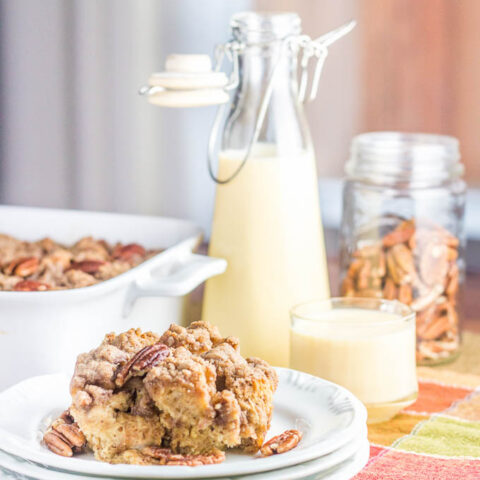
336,441
298,471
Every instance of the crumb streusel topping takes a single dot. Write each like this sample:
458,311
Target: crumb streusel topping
188,390
48,265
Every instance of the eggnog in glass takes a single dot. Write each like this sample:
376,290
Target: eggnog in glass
365,345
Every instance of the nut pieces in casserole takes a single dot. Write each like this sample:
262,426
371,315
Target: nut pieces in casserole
47,265
181,398
416,265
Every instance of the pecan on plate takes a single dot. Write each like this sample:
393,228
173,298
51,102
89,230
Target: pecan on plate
64,436
281,443
164,456
147,358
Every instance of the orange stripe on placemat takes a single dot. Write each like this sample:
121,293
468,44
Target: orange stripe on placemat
386,433
434,397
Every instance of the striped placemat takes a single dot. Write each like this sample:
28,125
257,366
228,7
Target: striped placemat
436,438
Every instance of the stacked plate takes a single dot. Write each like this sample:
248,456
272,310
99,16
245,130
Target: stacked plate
333,422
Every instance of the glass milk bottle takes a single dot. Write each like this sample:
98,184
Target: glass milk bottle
267,219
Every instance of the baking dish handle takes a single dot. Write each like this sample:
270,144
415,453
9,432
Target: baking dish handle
188,273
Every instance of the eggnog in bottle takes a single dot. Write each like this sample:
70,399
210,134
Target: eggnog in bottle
267,226
267,216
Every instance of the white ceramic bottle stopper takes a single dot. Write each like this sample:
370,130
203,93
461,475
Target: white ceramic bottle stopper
188,81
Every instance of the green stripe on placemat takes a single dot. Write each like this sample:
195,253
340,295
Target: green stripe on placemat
443,436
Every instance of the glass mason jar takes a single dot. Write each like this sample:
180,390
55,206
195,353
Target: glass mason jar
402,233
267,220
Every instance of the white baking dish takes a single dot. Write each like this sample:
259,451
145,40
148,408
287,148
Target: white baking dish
43,332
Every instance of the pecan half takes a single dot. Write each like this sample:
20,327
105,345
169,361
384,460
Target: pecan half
403,258
354,268
364,275
281,443
433,329
127,252
64,436
142,361
390,289
452,284
434,263
401,234
57,444
405,294
165,456
23,267
87,266
72,433
424,301
348,287
30,286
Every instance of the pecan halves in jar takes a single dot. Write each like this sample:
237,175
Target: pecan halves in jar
147,358
401,234
417,266
164,456
64,436
281,443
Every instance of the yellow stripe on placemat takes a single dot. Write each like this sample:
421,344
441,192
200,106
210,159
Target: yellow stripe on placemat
449,377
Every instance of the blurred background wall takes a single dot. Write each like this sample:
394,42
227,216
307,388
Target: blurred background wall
74,132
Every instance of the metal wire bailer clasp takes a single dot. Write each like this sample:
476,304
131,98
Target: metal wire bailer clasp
307,48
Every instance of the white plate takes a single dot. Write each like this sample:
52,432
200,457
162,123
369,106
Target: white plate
335,465
329,416
346,470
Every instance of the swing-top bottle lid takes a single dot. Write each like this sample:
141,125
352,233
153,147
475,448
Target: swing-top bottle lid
188,72
188,81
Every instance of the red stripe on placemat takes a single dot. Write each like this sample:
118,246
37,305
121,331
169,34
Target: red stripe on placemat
376,450
435,398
